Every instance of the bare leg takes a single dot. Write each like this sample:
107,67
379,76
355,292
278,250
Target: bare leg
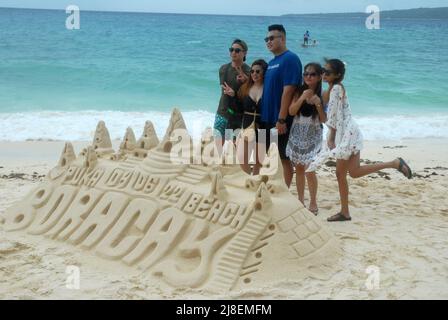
341,174
358,171
258,161
243,156
300,183
311,178
287,172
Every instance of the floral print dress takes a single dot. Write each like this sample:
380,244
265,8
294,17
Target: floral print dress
348,138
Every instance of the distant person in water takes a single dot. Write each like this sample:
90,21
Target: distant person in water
306,37
247,101
231,76
345,140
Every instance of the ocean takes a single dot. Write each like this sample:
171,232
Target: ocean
126,68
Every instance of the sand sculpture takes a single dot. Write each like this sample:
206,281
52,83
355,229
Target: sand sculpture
209,227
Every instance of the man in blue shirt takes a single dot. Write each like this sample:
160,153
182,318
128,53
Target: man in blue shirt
283,76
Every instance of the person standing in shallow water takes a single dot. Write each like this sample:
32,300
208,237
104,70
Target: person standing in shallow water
345,140
231,76
305,139
283,76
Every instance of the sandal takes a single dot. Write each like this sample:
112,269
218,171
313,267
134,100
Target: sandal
339,218
402,165
315,212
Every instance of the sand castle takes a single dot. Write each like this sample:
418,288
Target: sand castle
203,226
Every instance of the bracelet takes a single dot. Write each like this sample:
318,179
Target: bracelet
281,121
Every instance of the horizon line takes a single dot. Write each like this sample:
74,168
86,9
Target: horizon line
217,14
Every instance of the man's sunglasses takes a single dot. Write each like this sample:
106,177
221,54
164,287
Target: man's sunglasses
271,38
255,71
237,50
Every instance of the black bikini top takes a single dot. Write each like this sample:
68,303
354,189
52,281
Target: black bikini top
249,105
308,110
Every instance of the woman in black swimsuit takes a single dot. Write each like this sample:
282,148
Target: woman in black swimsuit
247,102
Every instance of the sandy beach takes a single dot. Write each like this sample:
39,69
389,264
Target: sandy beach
399,226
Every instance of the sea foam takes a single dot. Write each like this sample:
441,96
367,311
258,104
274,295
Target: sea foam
79,126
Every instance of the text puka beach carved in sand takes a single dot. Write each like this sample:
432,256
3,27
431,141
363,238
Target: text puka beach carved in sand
210,227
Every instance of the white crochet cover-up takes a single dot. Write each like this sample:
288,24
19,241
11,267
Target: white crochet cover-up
348,140
305,140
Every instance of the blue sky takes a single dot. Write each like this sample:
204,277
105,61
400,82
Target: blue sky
240,7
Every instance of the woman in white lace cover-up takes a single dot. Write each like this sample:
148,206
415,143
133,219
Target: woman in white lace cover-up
344,140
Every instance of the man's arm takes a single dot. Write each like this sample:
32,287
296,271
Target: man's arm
287,96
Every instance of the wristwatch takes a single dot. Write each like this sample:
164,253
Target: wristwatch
282,121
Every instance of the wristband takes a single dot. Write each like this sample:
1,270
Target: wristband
282,121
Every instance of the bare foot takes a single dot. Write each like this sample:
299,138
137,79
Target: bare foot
314,209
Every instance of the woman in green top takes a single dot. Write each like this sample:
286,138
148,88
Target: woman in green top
231,76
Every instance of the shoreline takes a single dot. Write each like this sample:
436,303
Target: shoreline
421,153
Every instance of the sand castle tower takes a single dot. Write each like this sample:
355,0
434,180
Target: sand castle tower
101,140
129,142
147,141
187,225
67,156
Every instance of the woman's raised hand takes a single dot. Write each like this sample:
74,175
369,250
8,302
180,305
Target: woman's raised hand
315,100
307,94
228,90
241,77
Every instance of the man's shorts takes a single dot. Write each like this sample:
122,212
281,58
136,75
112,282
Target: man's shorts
282,139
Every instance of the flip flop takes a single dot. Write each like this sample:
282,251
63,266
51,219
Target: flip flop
315,212
403,164
339,218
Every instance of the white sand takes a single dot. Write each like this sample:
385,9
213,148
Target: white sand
400,226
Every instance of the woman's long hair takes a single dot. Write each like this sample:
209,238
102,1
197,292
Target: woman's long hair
301,89
245,88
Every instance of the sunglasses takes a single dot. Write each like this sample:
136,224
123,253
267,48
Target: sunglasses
271,38
327,72
310,74
237,50
255,71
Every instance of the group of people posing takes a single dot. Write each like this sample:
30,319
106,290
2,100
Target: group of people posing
276,99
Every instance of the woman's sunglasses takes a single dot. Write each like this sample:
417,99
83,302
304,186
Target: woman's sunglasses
255,71
237,50
327,72
310,74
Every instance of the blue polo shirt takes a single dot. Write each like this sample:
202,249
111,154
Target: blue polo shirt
283,70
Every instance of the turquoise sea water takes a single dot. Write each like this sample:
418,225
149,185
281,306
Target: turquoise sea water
129,66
